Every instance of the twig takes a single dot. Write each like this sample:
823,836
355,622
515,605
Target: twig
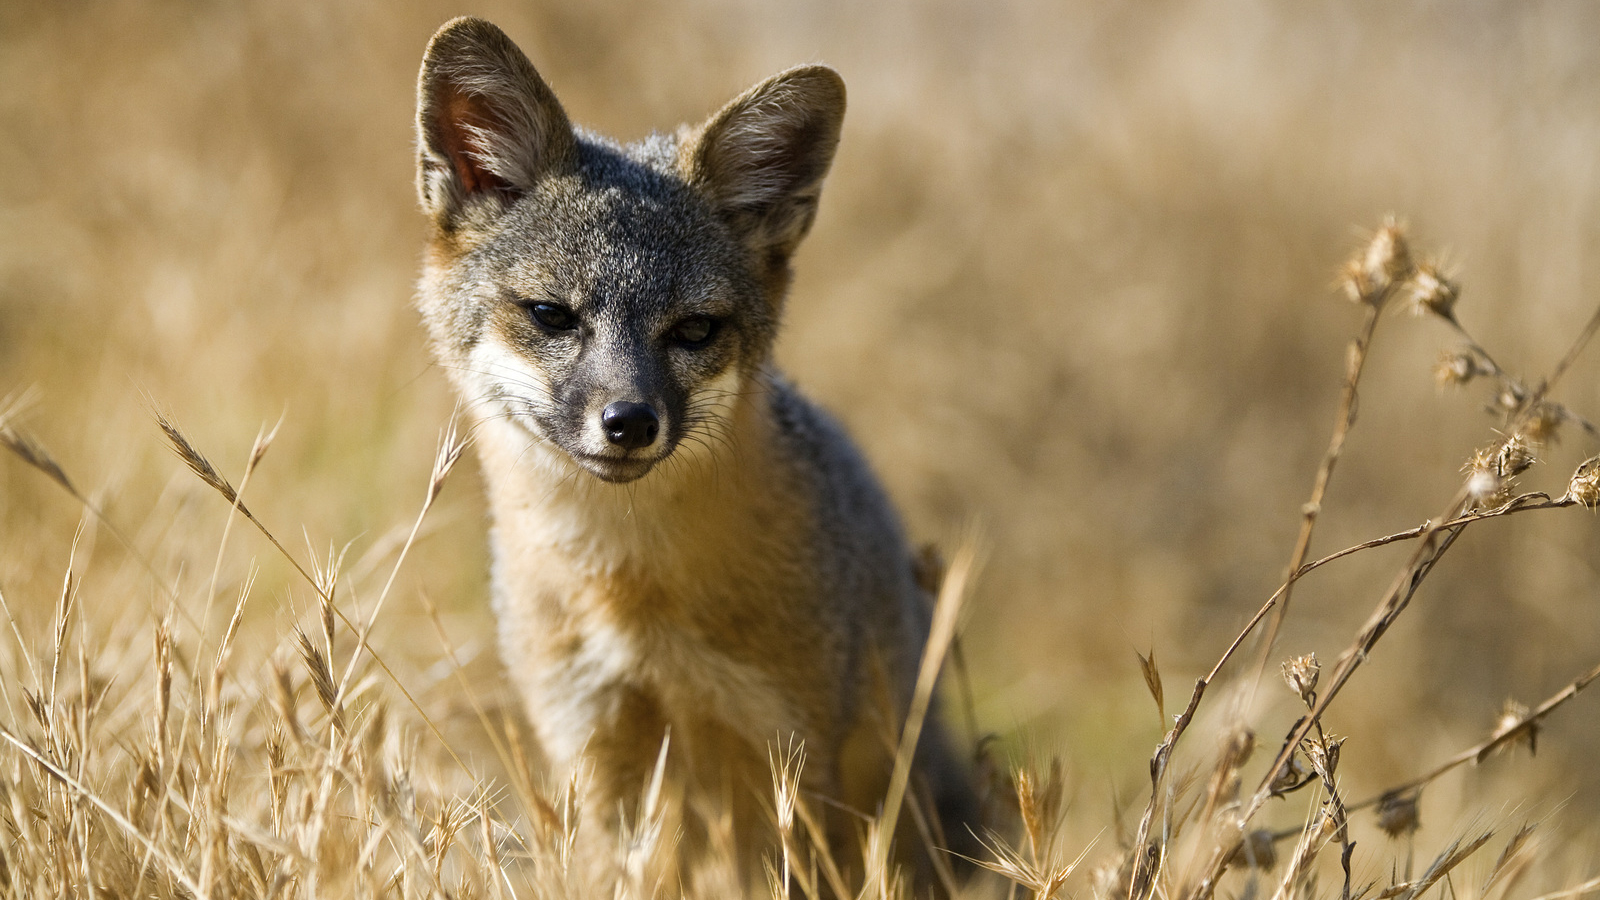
1356,363
1502,736
1436,540
1346,419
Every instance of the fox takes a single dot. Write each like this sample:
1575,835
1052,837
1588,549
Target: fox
685,551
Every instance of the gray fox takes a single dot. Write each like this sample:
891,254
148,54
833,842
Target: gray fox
681,543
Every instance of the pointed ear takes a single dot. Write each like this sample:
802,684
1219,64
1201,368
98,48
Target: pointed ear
487,124
762,158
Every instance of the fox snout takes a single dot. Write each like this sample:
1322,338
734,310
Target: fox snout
631,426
617,440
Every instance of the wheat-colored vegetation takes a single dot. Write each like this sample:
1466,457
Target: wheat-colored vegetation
1075,279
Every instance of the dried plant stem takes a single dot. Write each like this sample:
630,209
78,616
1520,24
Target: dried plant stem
947,610
372,617
451,447
1578,344
1356,360
1436,541
1521,503
548,817
30,451
1502,736
1355,364
1518,389
207,473
1434,545
110,811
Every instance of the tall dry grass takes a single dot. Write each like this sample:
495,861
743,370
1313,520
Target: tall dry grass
1071,280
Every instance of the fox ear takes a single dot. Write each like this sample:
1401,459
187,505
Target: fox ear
487,124
762,158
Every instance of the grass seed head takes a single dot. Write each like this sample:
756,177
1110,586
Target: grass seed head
34,454
1585,486
196,461
1039,797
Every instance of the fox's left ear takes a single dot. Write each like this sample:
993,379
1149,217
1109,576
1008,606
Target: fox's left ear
762,158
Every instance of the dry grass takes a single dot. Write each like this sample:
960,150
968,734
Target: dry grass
1071,280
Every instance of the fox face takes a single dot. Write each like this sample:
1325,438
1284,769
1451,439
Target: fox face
610,320
612,301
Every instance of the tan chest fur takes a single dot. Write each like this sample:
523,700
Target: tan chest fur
687,591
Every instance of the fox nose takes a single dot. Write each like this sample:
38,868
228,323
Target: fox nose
630,425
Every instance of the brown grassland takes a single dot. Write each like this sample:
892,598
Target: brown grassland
1075,287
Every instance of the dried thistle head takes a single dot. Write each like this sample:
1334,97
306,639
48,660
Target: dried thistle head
1301,674
1384,262
1508,402
1455,369
1585,486
1399,813
1484,484
1542,425
1238,743
1431,292
1324,755
1514,457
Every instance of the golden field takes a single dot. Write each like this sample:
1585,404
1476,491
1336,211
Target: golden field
1073,285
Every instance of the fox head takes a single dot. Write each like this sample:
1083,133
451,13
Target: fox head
613,301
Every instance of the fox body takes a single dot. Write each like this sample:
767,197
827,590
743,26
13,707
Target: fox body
681,543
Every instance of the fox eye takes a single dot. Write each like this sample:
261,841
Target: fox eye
695,332
554,316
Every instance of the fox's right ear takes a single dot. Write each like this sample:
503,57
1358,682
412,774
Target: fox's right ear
488,127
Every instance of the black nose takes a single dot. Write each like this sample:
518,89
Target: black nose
630,425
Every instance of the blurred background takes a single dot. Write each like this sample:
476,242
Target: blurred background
1072,283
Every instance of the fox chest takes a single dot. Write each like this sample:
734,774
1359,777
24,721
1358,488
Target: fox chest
577,644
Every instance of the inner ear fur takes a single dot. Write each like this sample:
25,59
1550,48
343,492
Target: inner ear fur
762,158
487,124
